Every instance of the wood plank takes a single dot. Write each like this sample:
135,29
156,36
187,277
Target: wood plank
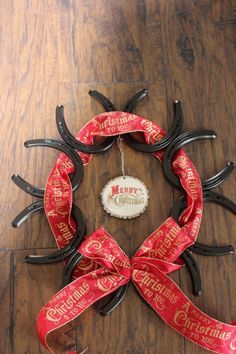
116,41
199,51
199,67
6,303
34,285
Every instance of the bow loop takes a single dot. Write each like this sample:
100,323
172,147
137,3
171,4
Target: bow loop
165,243
143,263
103,249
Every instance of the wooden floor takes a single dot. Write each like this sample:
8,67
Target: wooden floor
52,52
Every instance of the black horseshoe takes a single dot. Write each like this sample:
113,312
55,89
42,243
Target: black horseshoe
58,145
170,136
218,178
183,140
206,250
69,268
76,144
105,102
64,252
199,248
26,213
109,107
193,268
132,102
115,300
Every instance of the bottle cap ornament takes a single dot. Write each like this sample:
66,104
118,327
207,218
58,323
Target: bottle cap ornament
125,197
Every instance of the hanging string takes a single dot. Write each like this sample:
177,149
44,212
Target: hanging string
122,156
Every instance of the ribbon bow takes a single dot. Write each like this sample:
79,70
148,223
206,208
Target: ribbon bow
148,270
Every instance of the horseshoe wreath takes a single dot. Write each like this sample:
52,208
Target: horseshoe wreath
98,264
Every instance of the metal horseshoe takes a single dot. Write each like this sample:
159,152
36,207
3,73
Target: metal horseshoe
182,140
68,137
58,145
200,248
170,136
63,253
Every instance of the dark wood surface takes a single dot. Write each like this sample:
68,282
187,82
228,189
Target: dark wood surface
53,52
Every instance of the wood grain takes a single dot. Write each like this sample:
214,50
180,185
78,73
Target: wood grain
6,303
198,53
53,52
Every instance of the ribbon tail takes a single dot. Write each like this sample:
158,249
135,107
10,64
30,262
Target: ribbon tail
74,299
170,303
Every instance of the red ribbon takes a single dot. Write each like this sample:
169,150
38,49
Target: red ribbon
101,273
148,270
